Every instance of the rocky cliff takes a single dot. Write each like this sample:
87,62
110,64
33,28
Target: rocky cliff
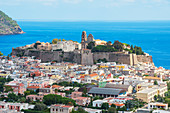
8,26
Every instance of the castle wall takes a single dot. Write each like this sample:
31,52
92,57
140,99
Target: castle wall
35,53
100,55
120,58
143,58
134,59
87,57
77,58
47,56
68,56
113,57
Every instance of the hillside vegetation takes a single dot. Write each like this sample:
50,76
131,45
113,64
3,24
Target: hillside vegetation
8,26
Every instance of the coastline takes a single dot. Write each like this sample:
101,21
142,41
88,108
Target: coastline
13,33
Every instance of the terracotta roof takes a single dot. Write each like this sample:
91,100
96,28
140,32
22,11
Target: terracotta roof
56,86
150,77
92,75
160,105
33,87
119,104
67,106
81,97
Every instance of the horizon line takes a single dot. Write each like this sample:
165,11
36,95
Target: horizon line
51,20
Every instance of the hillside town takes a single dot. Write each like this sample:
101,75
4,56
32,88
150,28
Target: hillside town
30,84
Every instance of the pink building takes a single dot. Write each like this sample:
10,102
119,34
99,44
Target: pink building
82,101
13,106
18,88
76,94
61,94
61,109
41,84
34,97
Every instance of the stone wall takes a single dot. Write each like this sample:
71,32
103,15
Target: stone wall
87,57
47,56
77,58
113,57
101,55
120,58
143,58
84,57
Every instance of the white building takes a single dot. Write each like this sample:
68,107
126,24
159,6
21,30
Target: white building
66,46
89,110
157,105
98,103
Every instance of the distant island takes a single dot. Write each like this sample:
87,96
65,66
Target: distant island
8,26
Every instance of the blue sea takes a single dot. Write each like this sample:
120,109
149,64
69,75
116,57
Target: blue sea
152,36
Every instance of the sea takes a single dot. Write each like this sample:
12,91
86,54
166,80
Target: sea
152,36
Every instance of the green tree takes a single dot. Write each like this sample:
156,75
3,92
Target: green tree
103,48
113,105
118,45
22,99
40,107
105,106
79,110
91,45
131,47
155,97
12,97
33,76
1,53
109,43
84,90
8,89
54,41
55,99
168,85
155,82
112,110
122,109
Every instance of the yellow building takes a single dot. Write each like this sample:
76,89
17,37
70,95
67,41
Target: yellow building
50,67
147,95
3,75
100,42
143,86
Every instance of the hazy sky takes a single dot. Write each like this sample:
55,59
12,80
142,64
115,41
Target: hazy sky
79,10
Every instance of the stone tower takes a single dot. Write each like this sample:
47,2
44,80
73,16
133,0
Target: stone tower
90,38
83,40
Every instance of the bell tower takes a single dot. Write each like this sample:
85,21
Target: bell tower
83,40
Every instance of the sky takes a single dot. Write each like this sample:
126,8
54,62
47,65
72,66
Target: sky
87,10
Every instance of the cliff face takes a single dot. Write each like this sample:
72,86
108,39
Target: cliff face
8,26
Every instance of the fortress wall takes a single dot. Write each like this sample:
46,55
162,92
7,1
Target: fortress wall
143,58
77,58
47,56
17,52
35,53
120,58
100,55
113,57
68,56
87,58
135,61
